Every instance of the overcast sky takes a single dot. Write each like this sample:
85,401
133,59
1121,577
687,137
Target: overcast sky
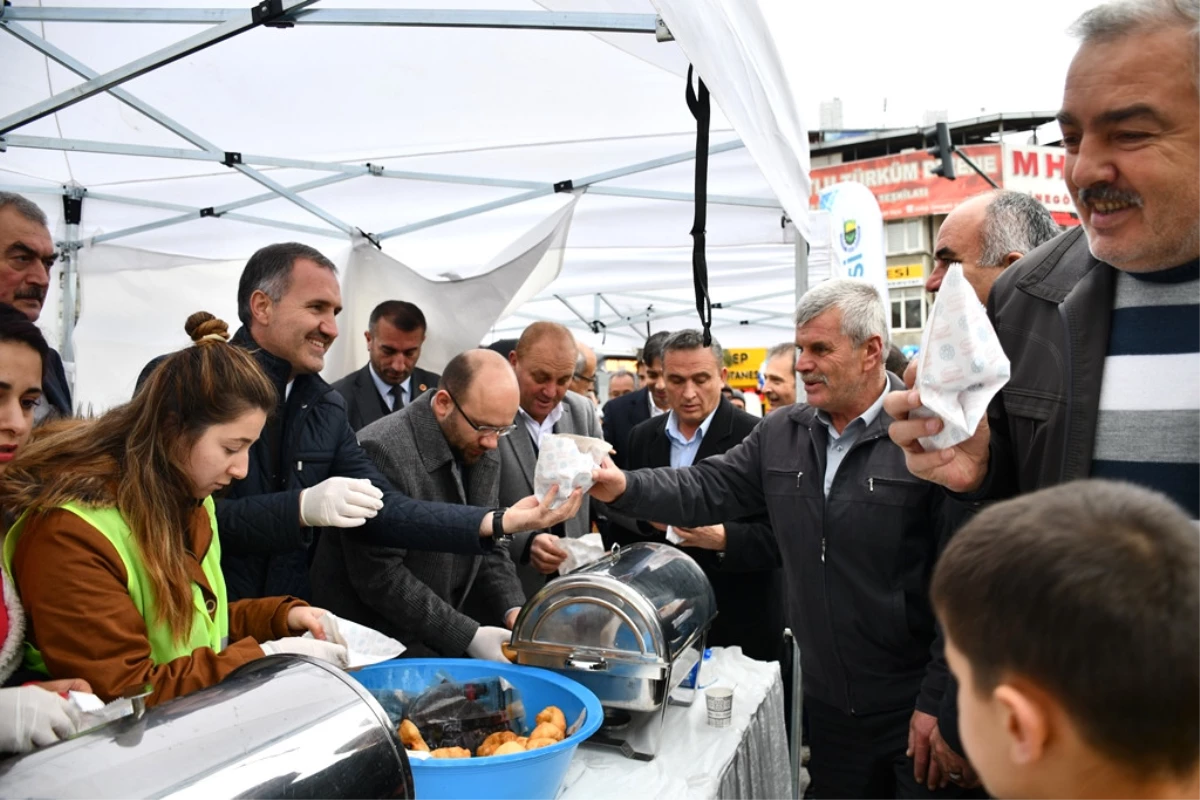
965,57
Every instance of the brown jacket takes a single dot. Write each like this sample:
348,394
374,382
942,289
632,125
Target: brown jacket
74,588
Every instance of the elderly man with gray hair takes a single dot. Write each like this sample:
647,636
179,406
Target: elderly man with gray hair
986,234
858,536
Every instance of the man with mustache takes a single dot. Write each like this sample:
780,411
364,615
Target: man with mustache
857,534
28,254
391,379
1102,323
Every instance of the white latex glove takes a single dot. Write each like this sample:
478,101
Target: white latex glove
302,646
486,643
32,717
340,503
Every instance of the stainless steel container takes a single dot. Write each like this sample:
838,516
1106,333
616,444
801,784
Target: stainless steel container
629,627
281,726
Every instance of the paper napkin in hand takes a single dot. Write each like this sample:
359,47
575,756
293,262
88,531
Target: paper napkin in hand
961,365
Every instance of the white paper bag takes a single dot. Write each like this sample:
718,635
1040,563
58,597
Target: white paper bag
581,552
961,365
567,460
364,646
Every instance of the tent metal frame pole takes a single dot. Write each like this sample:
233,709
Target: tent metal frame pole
595,22
190,213
466,212
686,197
628,319
194,215
243,21
655,163
83,70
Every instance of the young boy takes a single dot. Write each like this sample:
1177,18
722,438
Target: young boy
1072,622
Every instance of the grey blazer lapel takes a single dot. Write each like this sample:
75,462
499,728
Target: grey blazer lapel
522,444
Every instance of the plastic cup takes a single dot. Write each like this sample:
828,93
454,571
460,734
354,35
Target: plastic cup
720,706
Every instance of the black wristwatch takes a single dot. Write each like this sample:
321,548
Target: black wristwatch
498,533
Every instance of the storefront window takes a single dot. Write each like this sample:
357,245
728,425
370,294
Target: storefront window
908,308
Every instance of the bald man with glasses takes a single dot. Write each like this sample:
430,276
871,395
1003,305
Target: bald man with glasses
443,447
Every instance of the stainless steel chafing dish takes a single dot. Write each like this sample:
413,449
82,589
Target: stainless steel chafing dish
629,627
278,727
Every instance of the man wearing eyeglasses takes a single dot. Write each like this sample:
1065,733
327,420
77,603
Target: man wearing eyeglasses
545,364
441,447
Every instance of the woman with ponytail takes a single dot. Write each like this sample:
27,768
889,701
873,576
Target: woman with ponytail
115,551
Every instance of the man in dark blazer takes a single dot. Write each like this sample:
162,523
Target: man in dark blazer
544,363
391,379
623,413
740,558
27,255
440,447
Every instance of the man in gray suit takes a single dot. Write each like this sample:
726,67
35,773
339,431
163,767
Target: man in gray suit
391,379
544,362
441,447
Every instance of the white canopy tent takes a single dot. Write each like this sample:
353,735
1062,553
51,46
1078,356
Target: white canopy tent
512,160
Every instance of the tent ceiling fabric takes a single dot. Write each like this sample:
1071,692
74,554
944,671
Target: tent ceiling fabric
533,107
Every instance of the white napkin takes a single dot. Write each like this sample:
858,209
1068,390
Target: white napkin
581,552
672,536
364,646
567,460
961,365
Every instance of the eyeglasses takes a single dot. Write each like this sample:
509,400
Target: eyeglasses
502,430
590,381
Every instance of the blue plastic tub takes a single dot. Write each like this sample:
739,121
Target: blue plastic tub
536,774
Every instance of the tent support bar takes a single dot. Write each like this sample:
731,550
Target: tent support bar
117,149
630,320
574,310
424,18
170,124
193,215
686,197
222,210
656,163
466,212
294,198
243,21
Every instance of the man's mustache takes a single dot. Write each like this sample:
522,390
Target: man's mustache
1107,193
32,293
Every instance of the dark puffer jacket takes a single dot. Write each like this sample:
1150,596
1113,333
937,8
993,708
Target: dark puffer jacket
265,549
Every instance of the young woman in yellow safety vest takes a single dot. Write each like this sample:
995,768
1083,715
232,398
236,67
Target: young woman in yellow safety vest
115,551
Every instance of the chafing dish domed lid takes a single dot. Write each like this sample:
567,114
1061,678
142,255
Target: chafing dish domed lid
645,603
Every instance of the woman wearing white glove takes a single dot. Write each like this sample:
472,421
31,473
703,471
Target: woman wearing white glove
31,716
125,535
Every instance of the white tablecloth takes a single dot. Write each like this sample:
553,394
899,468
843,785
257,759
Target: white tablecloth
749,759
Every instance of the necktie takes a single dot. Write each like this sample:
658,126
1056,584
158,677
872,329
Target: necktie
397,393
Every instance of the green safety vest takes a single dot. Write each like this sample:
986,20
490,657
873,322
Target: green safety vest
207,631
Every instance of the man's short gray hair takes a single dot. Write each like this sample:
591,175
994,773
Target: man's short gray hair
24,206
690,339
863,315
1120,18
787,349
1014,222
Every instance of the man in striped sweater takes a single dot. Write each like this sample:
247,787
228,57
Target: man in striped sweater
1102,325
